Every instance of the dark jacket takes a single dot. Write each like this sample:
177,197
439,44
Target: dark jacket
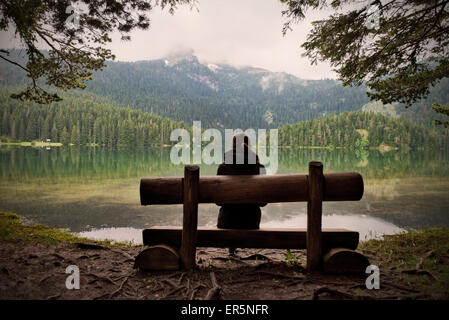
240,216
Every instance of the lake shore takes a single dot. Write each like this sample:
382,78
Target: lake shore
33,260
31,144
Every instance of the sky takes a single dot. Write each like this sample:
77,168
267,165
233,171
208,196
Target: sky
245,32
237,32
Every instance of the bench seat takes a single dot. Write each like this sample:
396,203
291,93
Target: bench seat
270,238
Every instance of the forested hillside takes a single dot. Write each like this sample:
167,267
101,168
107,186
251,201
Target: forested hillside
222,96
83,119
79,121
361,130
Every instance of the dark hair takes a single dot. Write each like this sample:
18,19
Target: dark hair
246,149
239,135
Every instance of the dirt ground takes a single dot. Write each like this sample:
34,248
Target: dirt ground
37,271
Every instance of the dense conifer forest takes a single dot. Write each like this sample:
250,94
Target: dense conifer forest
361,130
81,121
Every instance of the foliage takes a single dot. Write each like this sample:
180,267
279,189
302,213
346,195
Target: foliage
360,130
292,259
81,121
76,33
443,110
398,48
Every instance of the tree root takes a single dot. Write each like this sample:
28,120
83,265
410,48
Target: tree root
125,254
280,275
107,279
214,293
112,294
56,296
325,289
420,272
82,245
256,256
170,282
346,295
398,286
420,262
46,278
174,291
181,277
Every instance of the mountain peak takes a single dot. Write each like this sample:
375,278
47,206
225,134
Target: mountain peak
184,54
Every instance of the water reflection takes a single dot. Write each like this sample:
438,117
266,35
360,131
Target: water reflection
85,189
368,227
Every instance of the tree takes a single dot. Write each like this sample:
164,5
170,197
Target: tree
443,110
65,136
54,133
75,136
75,31
398,48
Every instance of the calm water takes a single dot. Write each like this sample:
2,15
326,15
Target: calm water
95,191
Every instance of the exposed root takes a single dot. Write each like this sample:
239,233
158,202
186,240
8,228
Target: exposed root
325,289
170,282
46,278
420,272
181,277
214,293
121,285
398,286
126,255
56,296
280,275
107,279
174,291
82,245
256,256
421,260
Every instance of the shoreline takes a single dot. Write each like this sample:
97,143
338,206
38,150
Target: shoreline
413,265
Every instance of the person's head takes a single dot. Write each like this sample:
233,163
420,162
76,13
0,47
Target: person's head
240,138
241,144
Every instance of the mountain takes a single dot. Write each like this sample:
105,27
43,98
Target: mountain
182,88
221,96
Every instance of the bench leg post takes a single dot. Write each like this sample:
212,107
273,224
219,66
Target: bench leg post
190,217
314,212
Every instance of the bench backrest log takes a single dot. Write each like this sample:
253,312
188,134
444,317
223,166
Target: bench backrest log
313,187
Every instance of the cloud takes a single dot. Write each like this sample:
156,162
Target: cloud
241,33
236,32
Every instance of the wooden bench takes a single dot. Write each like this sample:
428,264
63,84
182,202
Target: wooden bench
331,250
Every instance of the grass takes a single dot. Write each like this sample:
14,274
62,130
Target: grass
418,259
12,229
291,259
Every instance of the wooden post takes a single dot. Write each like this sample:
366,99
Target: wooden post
190,218
314,211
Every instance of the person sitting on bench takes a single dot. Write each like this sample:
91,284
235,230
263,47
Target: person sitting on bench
242,215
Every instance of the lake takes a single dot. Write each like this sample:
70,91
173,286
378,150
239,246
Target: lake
94,191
